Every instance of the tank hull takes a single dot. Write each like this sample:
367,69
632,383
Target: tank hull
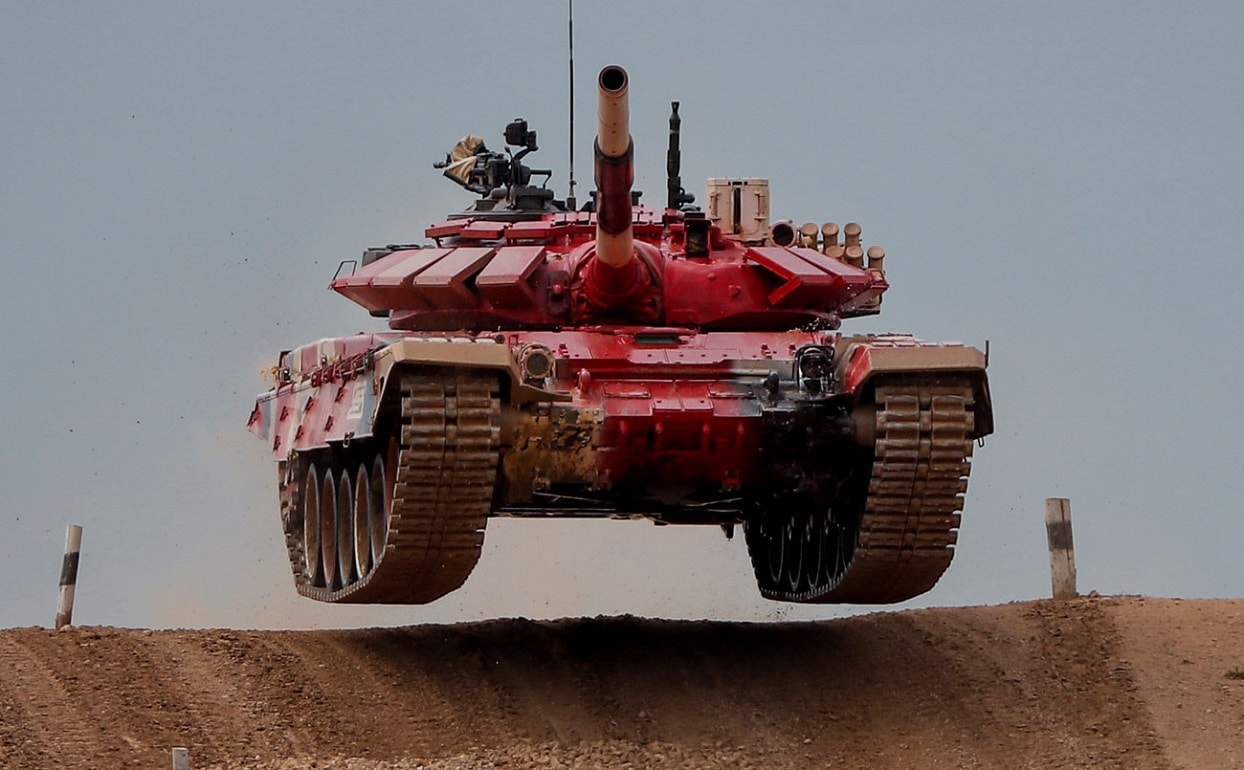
840,456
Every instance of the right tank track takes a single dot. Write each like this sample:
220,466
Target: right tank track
399,518
889,532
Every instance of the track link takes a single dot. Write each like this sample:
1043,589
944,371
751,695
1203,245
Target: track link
896,539
438,502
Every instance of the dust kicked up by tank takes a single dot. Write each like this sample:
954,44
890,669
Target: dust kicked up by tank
614,360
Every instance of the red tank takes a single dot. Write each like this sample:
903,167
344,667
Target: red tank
621,361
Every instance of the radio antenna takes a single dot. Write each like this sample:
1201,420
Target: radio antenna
570,198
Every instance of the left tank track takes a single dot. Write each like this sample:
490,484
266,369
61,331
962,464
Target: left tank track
889,531
398,518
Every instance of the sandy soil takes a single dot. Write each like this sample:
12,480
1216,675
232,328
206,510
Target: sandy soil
1099,682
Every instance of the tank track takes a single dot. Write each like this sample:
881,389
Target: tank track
889,539
437,474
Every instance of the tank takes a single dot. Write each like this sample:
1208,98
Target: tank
612,360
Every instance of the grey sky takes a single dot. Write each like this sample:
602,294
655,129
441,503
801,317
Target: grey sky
179,181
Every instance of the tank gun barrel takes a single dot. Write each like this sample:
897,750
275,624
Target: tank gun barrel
615,171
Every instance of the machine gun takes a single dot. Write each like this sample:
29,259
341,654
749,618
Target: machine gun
497,176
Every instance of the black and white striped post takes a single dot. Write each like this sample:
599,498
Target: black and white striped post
1062,549
68,576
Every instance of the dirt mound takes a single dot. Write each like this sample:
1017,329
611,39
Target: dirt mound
1107,682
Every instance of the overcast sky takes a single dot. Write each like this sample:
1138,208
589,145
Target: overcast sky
178,182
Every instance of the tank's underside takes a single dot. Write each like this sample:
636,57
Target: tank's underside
839,501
